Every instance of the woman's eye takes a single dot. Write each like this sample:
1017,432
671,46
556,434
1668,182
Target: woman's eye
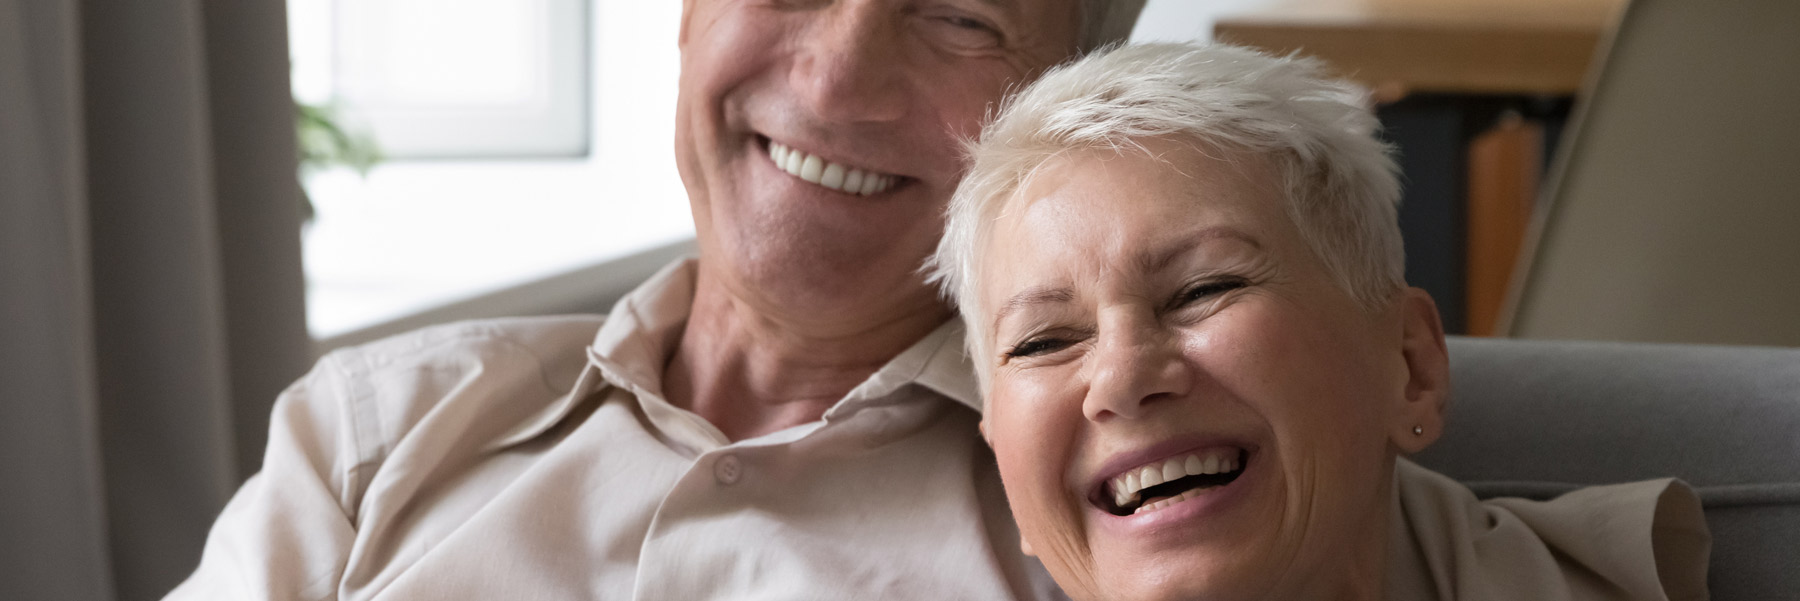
1036,346
1206,290
967,23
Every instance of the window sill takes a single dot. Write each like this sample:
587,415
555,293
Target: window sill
427,242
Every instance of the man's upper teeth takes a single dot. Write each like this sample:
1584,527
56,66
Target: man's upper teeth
812,168
1125,486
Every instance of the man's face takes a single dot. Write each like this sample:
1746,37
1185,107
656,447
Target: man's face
865,102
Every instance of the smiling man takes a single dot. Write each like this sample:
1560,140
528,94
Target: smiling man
804,287
790,415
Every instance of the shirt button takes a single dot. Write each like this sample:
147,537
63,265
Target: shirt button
728,469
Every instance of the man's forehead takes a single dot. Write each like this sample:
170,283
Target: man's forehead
1016,4
1029,6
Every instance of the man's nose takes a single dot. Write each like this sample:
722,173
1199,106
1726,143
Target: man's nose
1131,369
851,65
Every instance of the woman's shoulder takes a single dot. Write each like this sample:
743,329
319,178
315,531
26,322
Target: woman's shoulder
1637,540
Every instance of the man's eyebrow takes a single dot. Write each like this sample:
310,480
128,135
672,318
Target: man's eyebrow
1032,296
1011,8
1152,262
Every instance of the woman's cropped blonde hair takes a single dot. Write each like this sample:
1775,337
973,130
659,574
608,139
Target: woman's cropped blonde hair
1340,182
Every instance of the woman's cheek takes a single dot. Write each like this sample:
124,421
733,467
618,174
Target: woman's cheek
1039,416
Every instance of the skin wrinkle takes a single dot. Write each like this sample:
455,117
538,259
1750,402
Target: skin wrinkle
1266,270
1118,148
1059,294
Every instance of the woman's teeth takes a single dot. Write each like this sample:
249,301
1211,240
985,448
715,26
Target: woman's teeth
819,171
1125,487
1185,495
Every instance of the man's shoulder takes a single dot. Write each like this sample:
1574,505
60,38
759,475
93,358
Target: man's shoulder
494,371
546,336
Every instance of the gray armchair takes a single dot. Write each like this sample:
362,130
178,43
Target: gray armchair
1537,418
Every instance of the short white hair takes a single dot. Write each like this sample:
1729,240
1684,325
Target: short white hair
1340,182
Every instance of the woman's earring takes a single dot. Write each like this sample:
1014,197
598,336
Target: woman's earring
1418,430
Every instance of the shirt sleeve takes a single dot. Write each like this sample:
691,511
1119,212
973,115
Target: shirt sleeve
288,532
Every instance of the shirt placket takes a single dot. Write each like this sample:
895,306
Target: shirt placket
722,476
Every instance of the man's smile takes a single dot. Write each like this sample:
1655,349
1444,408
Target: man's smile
815,169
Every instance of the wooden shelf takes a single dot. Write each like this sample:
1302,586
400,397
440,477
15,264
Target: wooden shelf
1443,70
1447,46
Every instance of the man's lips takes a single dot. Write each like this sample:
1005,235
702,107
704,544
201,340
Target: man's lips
840,176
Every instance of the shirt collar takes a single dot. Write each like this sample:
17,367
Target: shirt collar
628,351
634,343
938,362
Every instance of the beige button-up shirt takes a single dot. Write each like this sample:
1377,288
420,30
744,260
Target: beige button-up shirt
536,459
1640,541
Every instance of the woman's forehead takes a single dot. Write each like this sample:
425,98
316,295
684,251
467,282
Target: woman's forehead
1171,179
1133,210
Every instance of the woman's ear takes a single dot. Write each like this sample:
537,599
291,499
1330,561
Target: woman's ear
1419,419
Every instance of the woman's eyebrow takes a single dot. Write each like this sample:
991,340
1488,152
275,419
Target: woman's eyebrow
1152,262
1032,296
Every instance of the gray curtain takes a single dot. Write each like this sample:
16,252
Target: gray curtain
151,297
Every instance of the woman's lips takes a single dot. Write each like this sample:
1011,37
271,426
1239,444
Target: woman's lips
1176,478
1120,465
1185,514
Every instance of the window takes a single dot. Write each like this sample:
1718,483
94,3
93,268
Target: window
465,78
498,225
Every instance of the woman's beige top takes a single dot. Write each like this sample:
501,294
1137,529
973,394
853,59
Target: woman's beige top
1641,541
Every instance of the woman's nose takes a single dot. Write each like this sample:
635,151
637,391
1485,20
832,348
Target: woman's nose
1133,369
850,67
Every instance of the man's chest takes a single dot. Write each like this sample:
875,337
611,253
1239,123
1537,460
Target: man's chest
890,508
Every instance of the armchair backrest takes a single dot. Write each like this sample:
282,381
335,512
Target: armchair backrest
1536,418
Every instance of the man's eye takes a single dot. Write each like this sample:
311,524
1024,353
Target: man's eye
1036,346
962,33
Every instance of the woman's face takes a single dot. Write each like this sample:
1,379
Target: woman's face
1182,401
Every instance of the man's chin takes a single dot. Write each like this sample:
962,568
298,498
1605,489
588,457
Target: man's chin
820,283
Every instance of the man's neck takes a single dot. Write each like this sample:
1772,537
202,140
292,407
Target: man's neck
750,371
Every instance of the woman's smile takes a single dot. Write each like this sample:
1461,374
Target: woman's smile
1170,480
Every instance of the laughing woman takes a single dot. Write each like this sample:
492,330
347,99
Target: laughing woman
1182,274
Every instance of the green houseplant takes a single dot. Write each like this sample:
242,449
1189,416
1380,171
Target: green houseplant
325,143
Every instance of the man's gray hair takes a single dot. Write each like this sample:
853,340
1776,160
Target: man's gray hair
1340,182
1107,22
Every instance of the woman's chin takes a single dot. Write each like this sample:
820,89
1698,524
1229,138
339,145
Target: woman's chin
1201,544
1198,574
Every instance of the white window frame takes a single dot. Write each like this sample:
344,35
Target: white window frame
544,115
420,242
